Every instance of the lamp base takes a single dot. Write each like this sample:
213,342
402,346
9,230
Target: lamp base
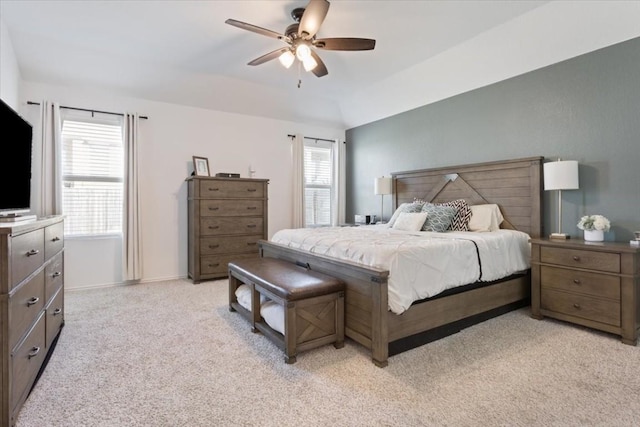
559,236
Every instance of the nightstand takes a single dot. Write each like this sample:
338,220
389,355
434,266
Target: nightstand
593,284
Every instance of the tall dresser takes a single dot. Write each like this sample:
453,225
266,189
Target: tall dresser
31,305
227,217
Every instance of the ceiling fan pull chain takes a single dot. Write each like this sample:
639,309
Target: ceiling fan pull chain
299,77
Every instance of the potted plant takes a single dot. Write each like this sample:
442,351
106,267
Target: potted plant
594,227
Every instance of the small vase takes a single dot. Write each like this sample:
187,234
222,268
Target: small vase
593,235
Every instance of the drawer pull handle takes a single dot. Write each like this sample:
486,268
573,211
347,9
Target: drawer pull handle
56,274
252,243
576,281
214,227
214,189
251,190
251,226
32,301
214,209
57,311
55,239
34,352
213,246
576,305
576,258
214,265
251,208
33,252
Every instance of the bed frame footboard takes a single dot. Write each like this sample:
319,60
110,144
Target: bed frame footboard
366,304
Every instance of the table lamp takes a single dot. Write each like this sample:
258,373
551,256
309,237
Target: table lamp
560,175
382,186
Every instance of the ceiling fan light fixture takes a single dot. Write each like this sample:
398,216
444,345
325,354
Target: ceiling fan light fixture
287,58
303,51
309,63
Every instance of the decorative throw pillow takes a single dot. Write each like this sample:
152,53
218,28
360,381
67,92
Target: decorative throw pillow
461,219
485,218
410,221
438,217
405,207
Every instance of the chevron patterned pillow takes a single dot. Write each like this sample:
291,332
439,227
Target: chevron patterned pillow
461,219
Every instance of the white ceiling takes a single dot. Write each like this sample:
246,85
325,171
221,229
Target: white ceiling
182,51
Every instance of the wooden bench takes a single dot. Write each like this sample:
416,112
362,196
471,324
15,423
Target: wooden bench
313,303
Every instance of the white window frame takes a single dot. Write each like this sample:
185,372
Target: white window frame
112,120
313,143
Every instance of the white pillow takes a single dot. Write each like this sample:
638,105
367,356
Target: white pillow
405,207
243,295
410,221
485,218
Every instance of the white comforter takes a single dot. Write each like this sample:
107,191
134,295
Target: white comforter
420,264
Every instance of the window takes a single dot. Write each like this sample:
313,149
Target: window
92,177
318,182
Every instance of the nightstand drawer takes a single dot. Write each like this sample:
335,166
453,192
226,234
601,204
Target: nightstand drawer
585,307
600,285
601,261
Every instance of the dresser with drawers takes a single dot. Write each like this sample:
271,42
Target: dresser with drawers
31,305
227,217
593,284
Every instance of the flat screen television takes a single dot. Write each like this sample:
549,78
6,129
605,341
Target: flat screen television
15,169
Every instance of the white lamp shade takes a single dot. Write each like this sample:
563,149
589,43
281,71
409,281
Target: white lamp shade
561,175
382,185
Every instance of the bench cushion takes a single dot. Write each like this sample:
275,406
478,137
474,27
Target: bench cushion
286,280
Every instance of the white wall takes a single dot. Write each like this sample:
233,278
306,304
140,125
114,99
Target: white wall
170,137
9,71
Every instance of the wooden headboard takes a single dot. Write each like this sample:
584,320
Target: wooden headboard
514,185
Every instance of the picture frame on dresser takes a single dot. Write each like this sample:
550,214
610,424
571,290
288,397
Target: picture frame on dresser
201,166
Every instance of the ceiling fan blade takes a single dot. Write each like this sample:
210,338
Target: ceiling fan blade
256,29
320,69
269,56
345,44
312,18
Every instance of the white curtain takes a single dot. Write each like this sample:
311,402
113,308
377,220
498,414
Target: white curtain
297,151
339,177
51,159
131,239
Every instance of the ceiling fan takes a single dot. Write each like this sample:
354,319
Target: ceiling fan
301,41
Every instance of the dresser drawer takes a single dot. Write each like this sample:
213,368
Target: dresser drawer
251,207
53,239
213,226
219,264
581,282
54,317
582,306
26,361
53,276
27,254
221,245
601,261
233,189
24,307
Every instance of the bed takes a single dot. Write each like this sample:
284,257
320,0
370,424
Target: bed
514,185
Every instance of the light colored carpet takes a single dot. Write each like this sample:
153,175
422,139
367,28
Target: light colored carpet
171,354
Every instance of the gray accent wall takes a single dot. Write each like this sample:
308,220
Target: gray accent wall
586,108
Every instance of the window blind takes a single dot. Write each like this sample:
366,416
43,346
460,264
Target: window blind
92,177
318,177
